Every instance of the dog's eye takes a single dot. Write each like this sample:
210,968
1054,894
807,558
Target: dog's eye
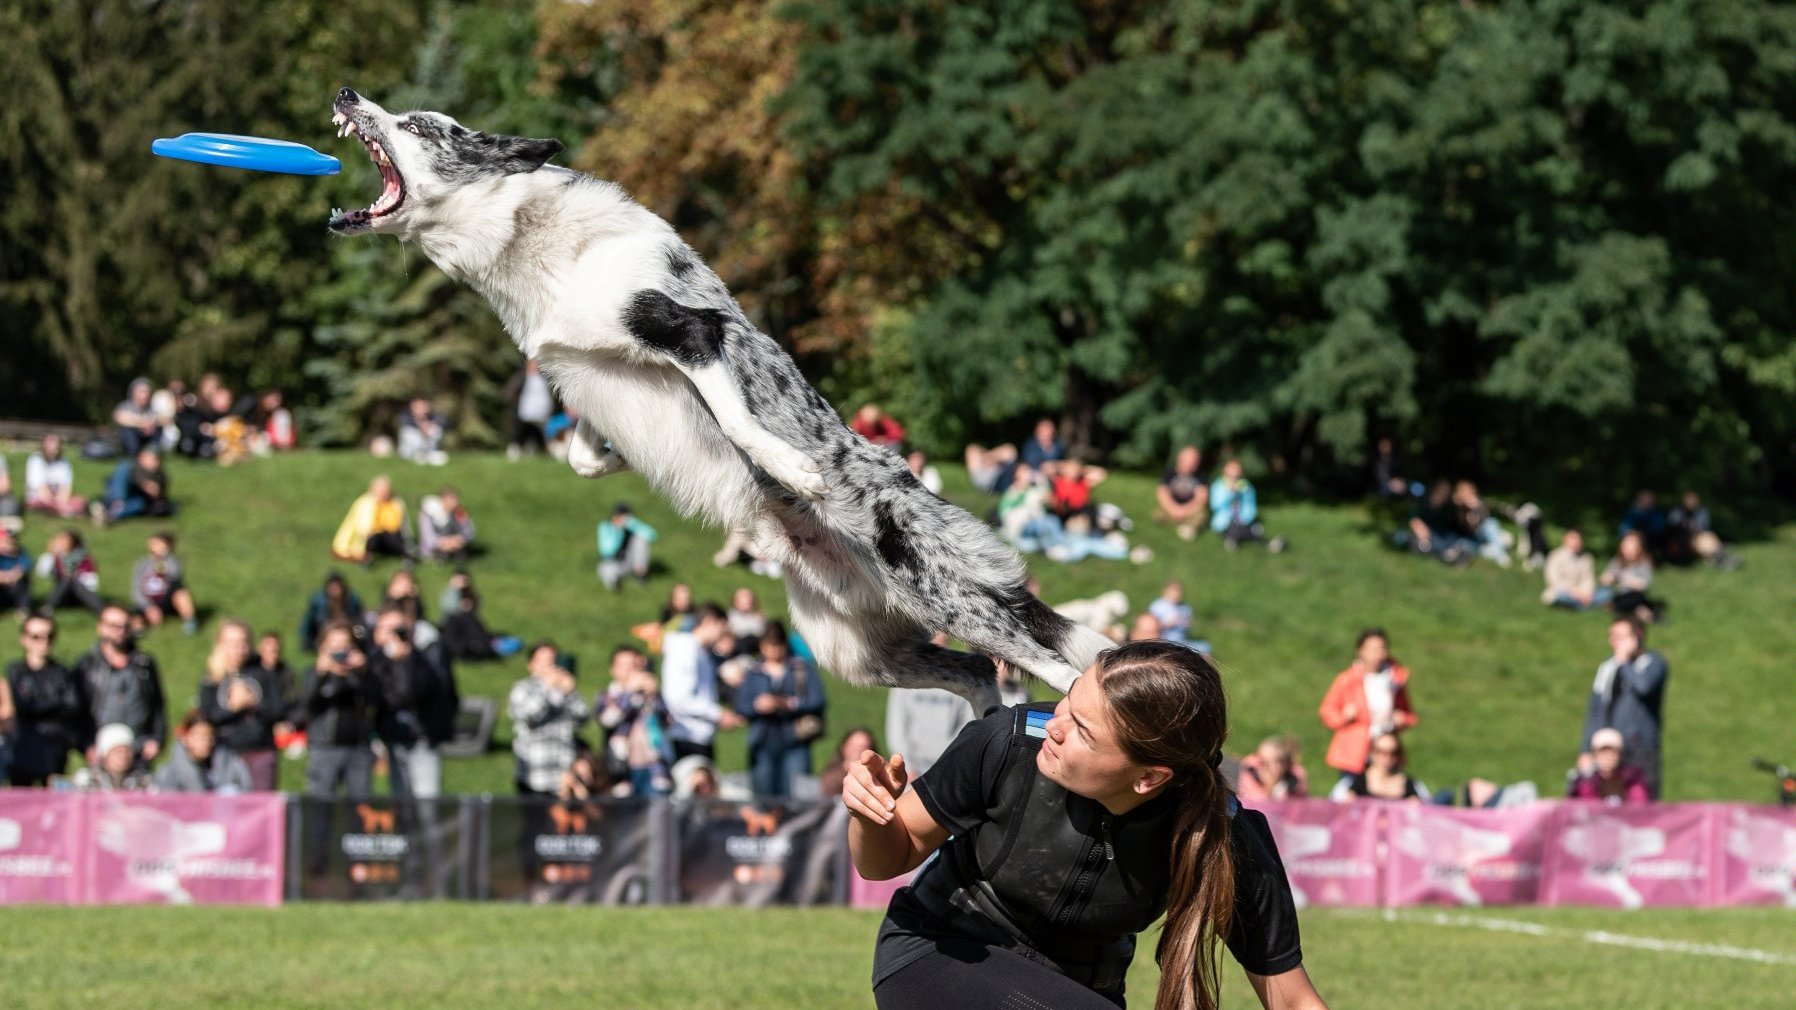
412,128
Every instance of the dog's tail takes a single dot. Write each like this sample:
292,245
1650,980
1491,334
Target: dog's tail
1080,645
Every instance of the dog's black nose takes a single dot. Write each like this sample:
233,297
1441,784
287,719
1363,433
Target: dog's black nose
348,95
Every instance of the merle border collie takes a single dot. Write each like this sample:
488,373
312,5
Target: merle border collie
672,380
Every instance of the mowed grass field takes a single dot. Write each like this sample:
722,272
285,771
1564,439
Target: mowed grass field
446,957
1499,681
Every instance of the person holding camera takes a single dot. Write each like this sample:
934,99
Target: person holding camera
782,699
339,702
547,712
418,702
636,721
243,703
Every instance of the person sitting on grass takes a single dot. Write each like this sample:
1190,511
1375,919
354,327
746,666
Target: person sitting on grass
1182,495
50,482
1478,525
1433,527
70,571
159,587
1070,486
464,633
1609,778
1273,772
1647,519
137,487
1235,510
374,527
1571,576
334,601
987,468
1385,777
624,547
1629,575
1171,610
200,764
15,575
445,530
920,468
137,422
114,768
421,431
1691,536
878,427
12,510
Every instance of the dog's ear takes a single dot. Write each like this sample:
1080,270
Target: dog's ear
526,154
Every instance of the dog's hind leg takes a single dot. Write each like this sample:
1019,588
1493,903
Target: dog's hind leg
590,456
886,649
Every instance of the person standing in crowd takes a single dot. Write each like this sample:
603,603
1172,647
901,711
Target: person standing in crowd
689,683
1183,497
69,569
445,530
159,586
782,699
1272,772
421,432
857,741
1119,792
922,722
1628,696
50,704
137,487
747,622
1610,778
1387,472
624,547
532,404
15,575
137,422
339,704
636,724
1571,576
271,660
1385,777
418,704
374,526
200,764
115,767
547,712
1368,699
50,482
9,725
242,703
878,427
124,685
333,602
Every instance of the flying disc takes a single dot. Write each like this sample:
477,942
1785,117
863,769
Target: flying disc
261,154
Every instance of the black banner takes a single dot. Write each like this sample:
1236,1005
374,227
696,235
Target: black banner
378,849
753,855
548,852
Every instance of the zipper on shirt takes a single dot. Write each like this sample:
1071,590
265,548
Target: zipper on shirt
1086,882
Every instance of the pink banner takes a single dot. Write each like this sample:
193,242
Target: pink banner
1629,857
864,893
39,833
1448,856
1755,856
183,849
1330,850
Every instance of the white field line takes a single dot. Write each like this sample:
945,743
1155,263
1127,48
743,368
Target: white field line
1600,936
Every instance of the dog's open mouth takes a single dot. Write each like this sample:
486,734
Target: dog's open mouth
392,193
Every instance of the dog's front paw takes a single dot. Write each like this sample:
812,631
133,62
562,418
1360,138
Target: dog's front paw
799,473
591,457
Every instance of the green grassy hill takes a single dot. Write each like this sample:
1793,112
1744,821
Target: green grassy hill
1498,680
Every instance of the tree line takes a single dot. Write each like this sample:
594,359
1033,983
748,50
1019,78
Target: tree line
1541,239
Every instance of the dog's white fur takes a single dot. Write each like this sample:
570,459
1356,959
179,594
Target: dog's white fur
565,260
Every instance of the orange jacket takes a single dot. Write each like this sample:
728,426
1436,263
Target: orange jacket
1344,710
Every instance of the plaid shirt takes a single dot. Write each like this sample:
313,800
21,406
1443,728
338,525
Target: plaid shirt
543,729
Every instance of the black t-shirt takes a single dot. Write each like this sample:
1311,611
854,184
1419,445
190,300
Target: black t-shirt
959,791
1182,486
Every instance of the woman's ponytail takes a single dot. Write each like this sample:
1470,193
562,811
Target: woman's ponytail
1200,901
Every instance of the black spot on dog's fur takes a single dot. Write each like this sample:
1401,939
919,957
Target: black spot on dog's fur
693,337
680,262
1045,626
893,546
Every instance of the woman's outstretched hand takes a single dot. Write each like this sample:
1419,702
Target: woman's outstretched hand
873,785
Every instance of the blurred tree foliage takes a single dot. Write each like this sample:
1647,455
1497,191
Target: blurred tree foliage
1528,239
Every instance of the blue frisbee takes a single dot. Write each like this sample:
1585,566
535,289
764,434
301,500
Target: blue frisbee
261,154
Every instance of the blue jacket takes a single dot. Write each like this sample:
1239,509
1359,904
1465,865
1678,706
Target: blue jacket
1224,498
611,536
800,680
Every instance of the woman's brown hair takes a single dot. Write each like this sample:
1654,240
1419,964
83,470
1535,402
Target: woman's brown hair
1169,710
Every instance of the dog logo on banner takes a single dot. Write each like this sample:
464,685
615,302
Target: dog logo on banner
1609,849
1768,848
154,845
1452,853
760,853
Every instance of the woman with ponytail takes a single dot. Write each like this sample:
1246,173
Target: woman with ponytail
1054,834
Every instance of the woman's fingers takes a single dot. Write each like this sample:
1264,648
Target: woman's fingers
864,789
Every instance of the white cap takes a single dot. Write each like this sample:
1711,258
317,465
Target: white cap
113,734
